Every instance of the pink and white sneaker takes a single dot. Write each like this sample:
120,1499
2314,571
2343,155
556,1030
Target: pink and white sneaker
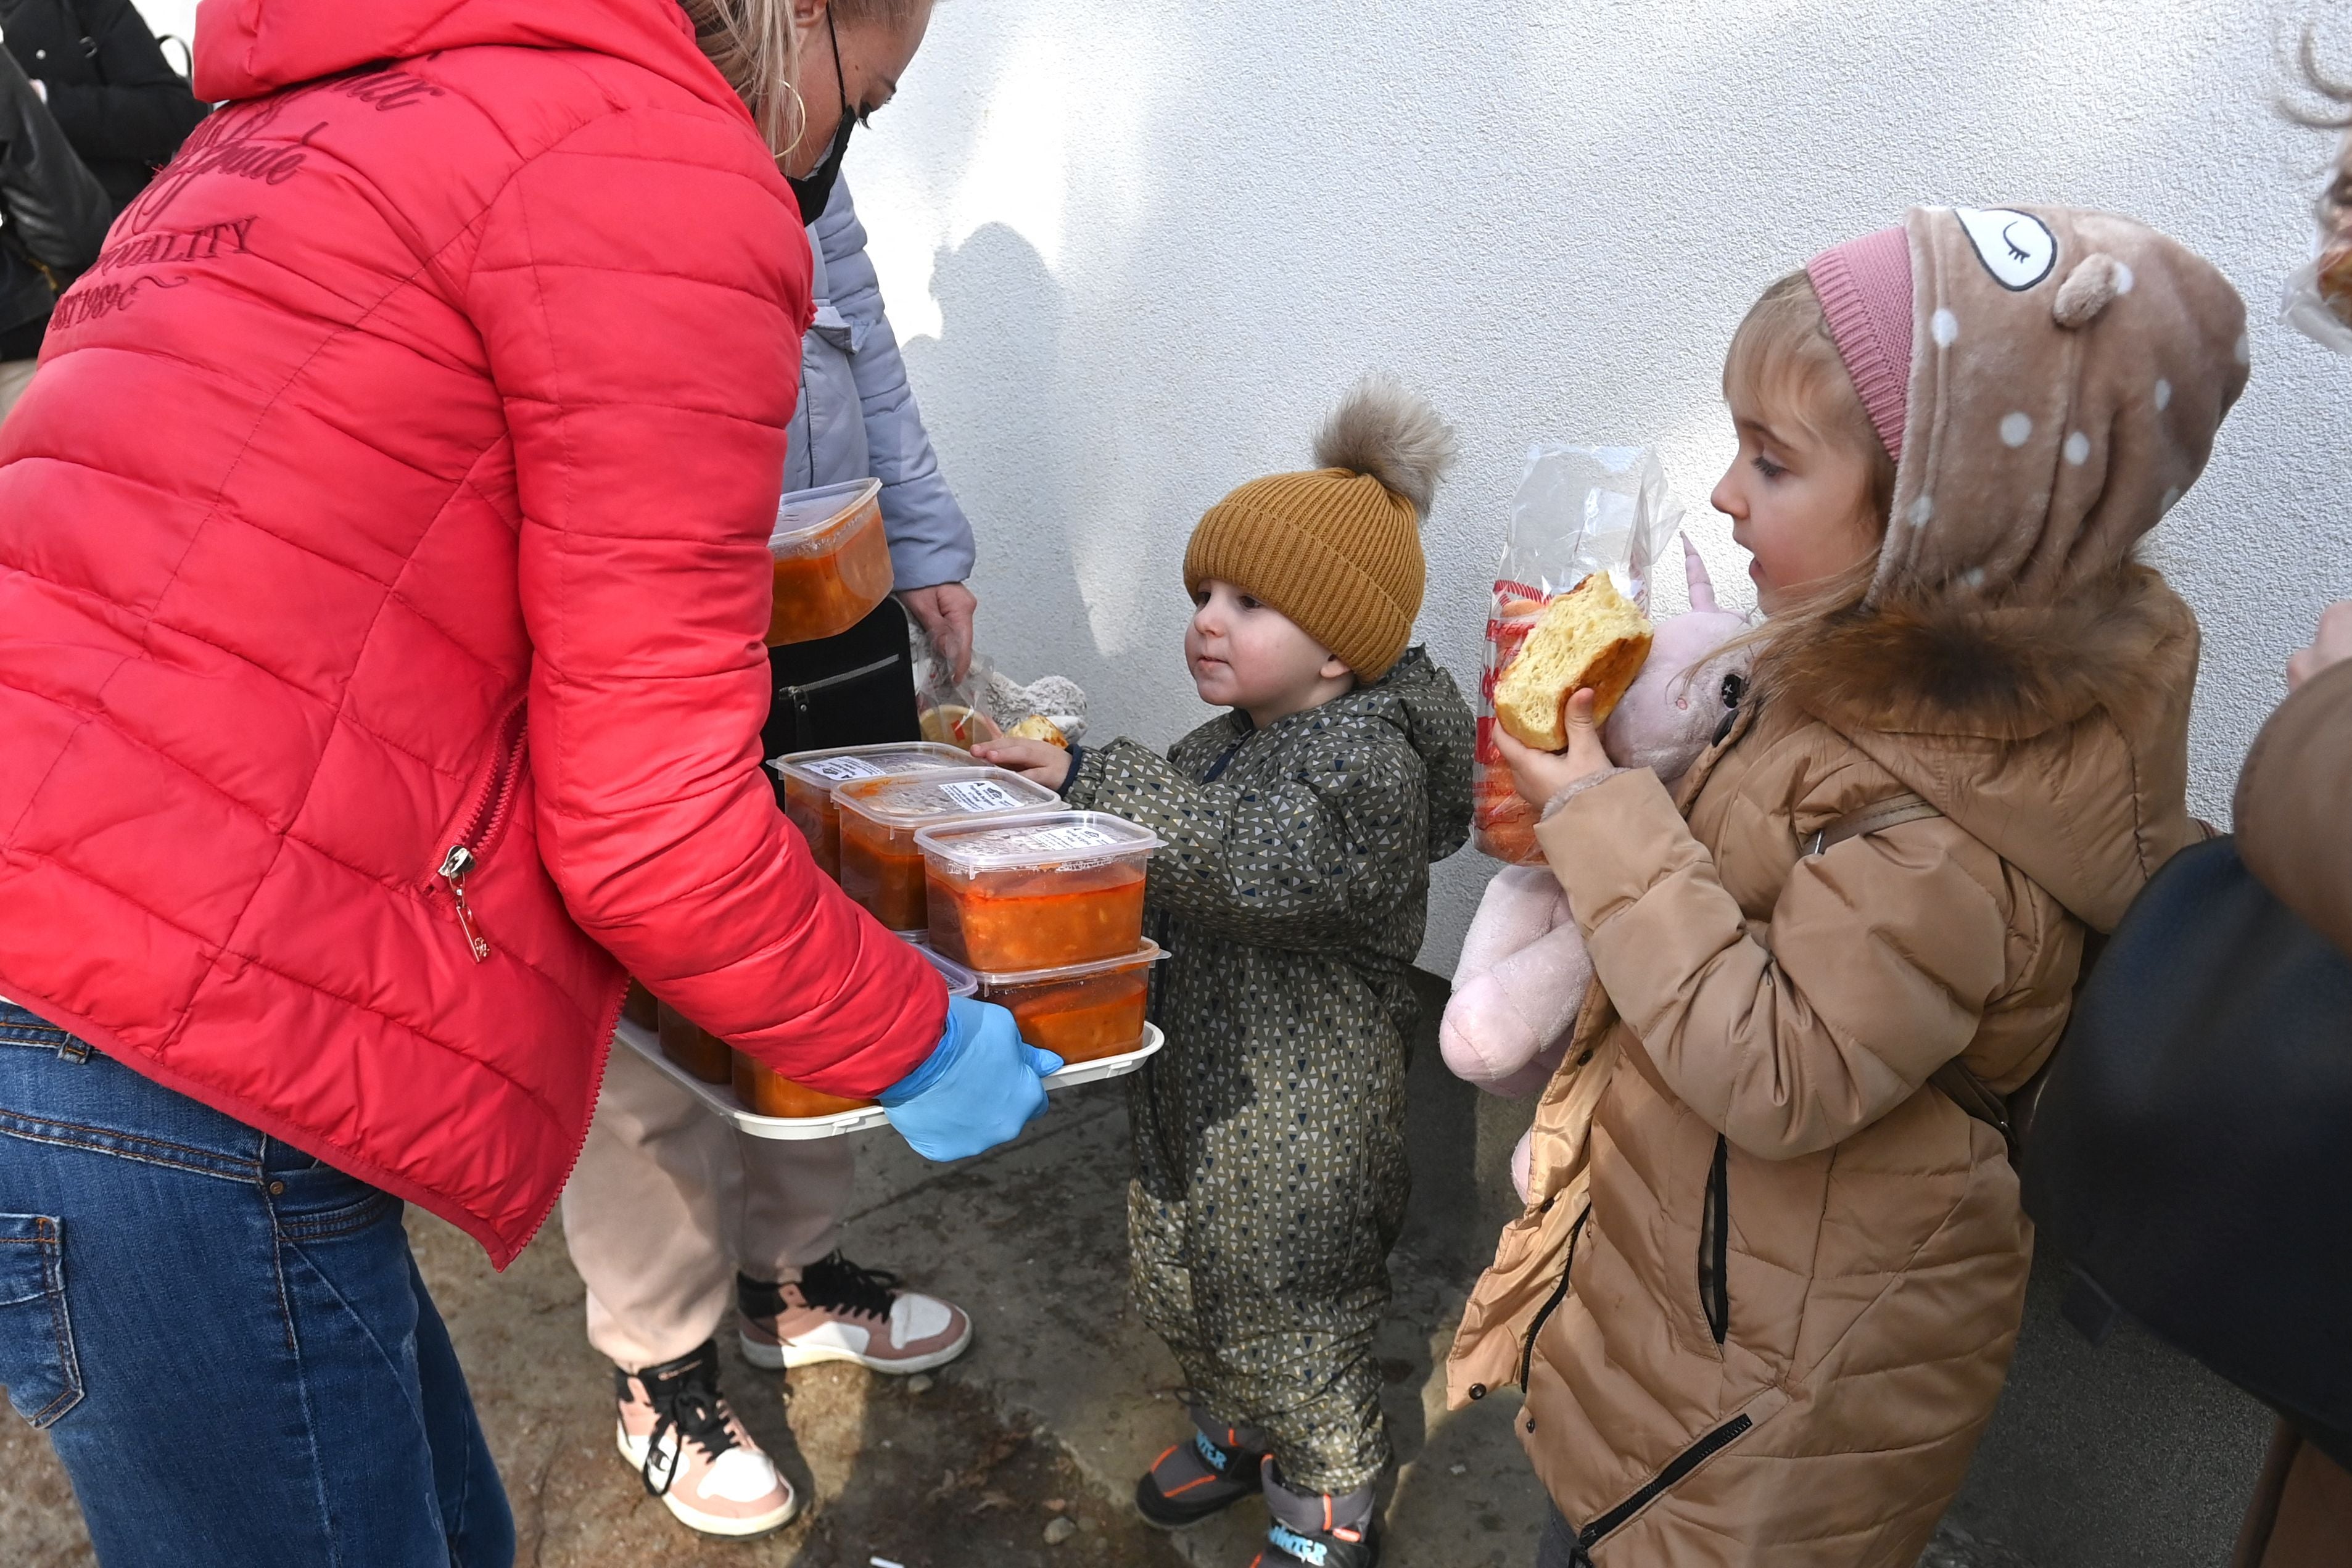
839,1311
693,1454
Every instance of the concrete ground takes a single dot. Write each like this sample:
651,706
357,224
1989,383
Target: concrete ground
2128,1454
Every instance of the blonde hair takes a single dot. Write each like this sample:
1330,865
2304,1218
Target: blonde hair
757,49
1783,357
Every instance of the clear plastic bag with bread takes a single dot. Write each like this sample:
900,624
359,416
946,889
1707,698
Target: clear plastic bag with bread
1569,610
988,704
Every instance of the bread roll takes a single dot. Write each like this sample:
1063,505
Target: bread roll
1037,727
1591,636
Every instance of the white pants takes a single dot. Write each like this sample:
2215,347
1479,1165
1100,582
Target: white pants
668,1202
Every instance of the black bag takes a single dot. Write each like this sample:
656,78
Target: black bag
855,690
2191,1155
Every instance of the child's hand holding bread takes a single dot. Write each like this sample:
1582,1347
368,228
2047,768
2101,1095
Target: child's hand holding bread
1561,687
1542,775
1039,761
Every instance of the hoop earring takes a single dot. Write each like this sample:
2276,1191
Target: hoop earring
800,122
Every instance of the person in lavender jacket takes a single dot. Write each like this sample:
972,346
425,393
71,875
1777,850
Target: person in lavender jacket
857,418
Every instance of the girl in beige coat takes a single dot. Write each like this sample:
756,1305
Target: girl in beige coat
1769,1280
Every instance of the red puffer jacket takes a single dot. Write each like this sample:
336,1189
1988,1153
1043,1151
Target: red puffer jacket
398,484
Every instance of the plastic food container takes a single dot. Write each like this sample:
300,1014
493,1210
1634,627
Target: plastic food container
811,777
880,865
639,1006
1040,893
766,1092
956,725
693,1047
1081,1012
832,561
961,981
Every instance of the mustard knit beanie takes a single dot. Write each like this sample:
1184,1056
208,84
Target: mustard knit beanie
1338,549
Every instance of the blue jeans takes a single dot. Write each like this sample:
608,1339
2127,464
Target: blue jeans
226,1339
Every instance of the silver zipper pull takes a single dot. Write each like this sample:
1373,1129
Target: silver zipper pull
455,868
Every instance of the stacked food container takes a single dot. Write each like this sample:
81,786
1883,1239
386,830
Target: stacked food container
1047,912
881,868
811,777
704,1055
1010,895
832,560
766,1092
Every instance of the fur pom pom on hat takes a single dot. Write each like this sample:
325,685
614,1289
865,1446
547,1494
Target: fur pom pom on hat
1337,548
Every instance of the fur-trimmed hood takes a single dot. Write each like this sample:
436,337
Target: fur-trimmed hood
2056,733
2069,371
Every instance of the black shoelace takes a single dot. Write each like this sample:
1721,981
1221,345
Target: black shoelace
687,1405
834,1282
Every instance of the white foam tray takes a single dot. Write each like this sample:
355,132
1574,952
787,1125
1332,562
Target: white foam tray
720,1101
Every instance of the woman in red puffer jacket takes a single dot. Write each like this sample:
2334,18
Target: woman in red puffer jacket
383,576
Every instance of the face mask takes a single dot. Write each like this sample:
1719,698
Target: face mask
814,189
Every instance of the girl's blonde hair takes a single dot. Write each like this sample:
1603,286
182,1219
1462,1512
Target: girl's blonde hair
1783,357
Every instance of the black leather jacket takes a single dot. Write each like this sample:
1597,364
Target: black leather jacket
53,212
120,102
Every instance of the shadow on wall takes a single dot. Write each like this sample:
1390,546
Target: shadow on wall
993,391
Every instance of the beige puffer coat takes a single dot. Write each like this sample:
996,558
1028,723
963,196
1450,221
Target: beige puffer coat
1766,1288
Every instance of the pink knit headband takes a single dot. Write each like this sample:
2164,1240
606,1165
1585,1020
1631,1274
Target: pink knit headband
1865,292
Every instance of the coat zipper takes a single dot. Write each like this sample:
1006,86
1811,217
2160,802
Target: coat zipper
1528,1351
798,694
846,675
462,859
604,1045
1715,1245
1681,1465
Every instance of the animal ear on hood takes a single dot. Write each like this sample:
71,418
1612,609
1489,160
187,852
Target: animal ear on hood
2069,372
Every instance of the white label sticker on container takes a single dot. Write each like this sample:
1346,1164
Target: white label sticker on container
982,795
841,770
1057,839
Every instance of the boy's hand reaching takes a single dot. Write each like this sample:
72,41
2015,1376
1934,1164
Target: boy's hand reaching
1541,775
1034,760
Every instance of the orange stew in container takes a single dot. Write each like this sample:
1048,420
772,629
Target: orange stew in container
811,777
832,560
1081,1013
765,1092
1041,893
880,865
695,1048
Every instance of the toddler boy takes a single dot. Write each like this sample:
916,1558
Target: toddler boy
1300,827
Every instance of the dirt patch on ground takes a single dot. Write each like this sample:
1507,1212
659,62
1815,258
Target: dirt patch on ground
925,1476
926,1479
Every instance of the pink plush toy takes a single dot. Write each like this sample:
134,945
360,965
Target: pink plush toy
1523,969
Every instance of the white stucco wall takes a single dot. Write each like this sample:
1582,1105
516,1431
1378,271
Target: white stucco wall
176,17
1135,249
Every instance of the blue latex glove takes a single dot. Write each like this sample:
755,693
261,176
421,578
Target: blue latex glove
977,1089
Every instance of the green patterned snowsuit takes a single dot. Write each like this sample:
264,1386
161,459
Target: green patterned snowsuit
1269,1133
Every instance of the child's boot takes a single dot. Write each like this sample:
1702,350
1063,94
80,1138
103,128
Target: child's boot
1318,1529
1207,1475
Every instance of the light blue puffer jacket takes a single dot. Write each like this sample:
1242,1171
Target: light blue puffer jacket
857,416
